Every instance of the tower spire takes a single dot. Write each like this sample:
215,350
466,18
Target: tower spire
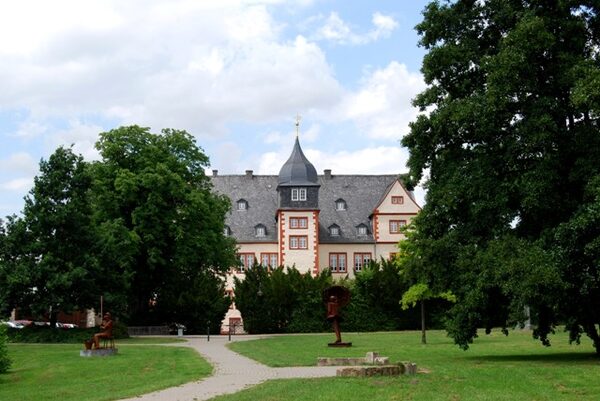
298,118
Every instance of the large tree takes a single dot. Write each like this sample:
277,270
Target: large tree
509,146
47,257
152,194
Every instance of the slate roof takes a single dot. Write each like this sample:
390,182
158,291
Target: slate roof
362,194
297,170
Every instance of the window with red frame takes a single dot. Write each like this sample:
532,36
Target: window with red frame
298,222
247,261
298,242
361,260
268,259
396,225
337,262
397,200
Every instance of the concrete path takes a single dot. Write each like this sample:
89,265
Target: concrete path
232,372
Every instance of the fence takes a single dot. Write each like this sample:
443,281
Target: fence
148,330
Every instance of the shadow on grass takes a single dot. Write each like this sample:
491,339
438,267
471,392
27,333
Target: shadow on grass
577,358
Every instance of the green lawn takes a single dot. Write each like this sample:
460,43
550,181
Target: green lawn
495,368
57,372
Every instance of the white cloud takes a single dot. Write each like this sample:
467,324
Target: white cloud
372,160
381,107
82,136
185,64
19,163
18,184
337,30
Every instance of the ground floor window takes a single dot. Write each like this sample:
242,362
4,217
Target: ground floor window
361,260
247,261
268,259
337,262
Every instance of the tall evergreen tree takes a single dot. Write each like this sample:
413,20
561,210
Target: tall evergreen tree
511,149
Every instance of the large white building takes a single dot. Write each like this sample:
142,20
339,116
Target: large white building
313,222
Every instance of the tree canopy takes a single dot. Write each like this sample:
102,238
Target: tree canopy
509,149
140,227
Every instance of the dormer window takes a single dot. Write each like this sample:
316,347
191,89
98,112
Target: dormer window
242,204
226,231
334,230
298,194
340,204
361,229
260,230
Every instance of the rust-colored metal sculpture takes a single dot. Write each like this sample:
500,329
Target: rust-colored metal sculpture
336,297
106,326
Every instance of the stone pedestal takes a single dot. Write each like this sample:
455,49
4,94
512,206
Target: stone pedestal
98,352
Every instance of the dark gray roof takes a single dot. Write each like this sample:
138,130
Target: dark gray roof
297,170
362,194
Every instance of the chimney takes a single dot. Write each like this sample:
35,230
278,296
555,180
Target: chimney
327,173
215,173
249,174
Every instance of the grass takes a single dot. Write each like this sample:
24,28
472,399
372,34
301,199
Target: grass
43,372
495,368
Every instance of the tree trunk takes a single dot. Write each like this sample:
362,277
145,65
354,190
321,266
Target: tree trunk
53,317
423,333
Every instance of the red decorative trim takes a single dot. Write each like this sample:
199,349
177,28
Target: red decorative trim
281,231
316,242
376,225
297,210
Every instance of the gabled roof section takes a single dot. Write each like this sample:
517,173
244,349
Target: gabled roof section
387,193
297,170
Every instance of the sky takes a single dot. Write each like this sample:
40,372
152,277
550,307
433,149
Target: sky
233,73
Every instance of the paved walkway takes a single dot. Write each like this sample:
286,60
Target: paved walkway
232,372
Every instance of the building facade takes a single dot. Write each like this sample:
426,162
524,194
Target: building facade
313,222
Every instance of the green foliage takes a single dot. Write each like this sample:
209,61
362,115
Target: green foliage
161,225
281,300
48,262
5,361
510,143
49,335
421,292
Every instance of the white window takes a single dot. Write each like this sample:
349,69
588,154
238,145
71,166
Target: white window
298,222
226,231
340,204
334,231
268,259
247,261
298,194
362,230
260,231
242,205
298,242
361,260
337,262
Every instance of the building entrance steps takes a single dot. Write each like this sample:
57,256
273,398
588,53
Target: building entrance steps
232,372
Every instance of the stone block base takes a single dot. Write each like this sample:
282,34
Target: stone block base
98,352
367,371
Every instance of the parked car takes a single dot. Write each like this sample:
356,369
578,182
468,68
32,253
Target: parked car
11,324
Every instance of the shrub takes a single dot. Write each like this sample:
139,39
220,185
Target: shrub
4,359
